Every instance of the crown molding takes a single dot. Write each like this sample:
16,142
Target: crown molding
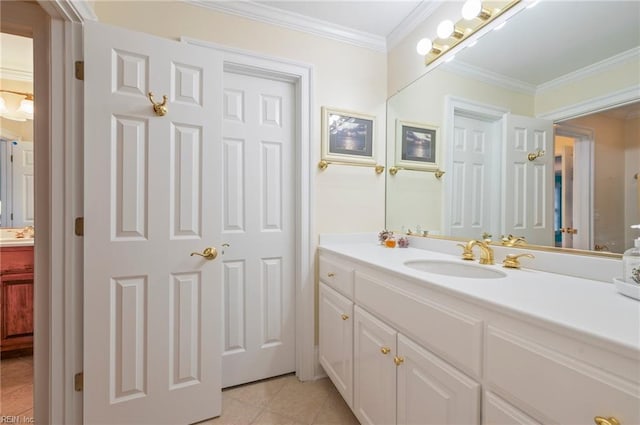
16,74
295,21
592,69
412,21
596,104
72,10
489,77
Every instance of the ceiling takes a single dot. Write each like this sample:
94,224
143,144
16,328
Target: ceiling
16,57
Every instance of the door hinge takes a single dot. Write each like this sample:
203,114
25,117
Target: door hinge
11,160
79,226
78,381
80,70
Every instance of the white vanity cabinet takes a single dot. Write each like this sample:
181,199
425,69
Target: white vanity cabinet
416,352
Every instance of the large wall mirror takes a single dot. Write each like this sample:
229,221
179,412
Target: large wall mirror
537,128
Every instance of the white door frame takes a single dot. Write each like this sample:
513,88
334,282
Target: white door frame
454,105
58,180
301,76
583,197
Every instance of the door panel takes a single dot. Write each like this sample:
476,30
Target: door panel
152,310
374,373
528,184
473,151
430,391
336,340
258,148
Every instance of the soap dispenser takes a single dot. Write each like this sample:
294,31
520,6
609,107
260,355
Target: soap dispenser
631,261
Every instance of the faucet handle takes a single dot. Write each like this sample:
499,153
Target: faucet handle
467,252
513,240
512,260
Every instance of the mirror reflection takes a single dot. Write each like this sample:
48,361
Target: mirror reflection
537,130
16,136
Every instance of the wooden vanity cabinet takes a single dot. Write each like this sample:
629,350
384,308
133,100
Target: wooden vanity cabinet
16,298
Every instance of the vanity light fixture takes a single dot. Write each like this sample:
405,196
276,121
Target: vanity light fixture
474,18
473,9
23,112
447,29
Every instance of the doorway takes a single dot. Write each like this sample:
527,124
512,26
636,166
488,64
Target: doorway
17,225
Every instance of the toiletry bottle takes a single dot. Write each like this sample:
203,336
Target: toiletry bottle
631,261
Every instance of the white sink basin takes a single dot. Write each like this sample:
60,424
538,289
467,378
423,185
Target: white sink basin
455,268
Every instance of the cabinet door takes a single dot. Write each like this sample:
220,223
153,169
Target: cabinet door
431,392
374,370
336,340
17,305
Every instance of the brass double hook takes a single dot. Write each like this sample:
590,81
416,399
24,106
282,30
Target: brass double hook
159,108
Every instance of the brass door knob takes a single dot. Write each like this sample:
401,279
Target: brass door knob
398,360
344,317
331,274
606,421
208,253
385,350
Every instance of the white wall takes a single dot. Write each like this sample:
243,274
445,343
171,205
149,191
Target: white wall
348,199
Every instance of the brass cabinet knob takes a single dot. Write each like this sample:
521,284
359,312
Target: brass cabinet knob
208,253
398,360
344,316
385,350
331,274
606,421
512,262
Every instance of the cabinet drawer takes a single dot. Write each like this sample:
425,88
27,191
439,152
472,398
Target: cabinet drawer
449,333
16,259
554,387
337,275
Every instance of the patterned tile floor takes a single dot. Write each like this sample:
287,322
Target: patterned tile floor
16,388
279,401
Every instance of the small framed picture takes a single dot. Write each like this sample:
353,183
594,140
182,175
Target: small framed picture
416,146
347,137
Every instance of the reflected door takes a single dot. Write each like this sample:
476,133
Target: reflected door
528,181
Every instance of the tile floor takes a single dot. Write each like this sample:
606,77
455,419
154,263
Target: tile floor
16,387
284,401
279,401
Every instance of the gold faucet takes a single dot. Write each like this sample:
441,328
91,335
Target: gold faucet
486,252
467,250
513,240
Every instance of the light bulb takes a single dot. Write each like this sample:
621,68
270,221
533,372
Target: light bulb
471,9
26,106
424,46
445,29
3,105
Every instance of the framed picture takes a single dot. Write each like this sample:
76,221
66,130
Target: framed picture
416,146
347,137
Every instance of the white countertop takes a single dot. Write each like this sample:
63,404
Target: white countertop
591,307
8,238
5,243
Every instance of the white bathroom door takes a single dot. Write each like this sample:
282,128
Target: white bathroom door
22,182
528,184
258,205
152,313
472,209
